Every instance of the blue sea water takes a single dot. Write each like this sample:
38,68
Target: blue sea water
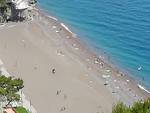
121,28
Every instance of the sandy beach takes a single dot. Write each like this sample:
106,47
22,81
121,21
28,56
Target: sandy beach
60,73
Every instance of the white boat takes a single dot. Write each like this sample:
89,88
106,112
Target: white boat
139,68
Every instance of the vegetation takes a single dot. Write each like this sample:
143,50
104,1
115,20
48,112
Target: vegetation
4,10
9,89
3,3
21,110
138,107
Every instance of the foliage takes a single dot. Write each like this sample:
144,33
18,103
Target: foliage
9,88
21,110
141,107
4,7
120,108
137,107
3,3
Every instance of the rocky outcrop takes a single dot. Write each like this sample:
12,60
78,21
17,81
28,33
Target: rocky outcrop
15,10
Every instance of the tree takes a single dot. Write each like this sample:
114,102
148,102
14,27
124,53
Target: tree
3,3
3,9
9,89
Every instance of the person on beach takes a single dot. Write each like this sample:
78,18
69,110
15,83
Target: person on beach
60,29
58,92
63,108
53,71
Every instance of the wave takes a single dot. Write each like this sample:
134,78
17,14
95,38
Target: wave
63,25
143,88
53,18
119,29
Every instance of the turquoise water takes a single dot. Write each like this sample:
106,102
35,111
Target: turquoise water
121,28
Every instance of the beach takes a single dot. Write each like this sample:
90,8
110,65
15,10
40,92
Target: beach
60,73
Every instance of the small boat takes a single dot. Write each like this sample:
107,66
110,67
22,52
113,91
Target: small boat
139,68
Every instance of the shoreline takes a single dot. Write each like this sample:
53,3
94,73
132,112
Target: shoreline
83,81
93,53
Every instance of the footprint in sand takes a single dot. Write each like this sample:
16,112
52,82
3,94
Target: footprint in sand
63,108
59,53
65,96
35,68
1,63
68,37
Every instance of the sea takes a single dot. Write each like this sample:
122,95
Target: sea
118,28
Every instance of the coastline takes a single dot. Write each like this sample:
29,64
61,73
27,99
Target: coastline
23,101
93,53
86,82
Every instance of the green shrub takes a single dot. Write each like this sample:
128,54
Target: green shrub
137,107
141,107
21,110
120,108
